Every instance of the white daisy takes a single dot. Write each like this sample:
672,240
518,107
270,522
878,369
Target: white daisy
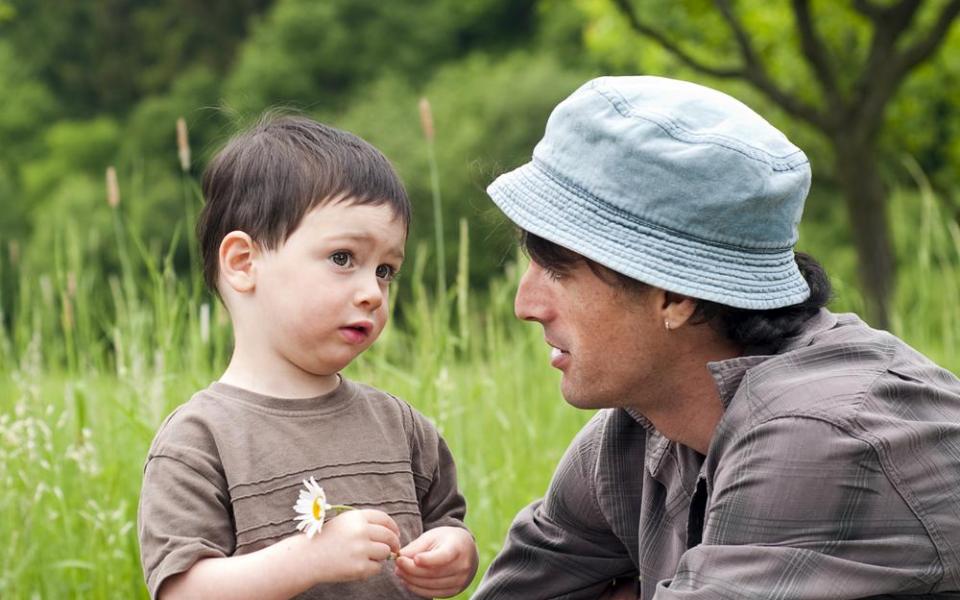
311,508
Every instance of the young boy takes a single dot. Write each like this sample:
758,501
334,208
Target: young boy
303,230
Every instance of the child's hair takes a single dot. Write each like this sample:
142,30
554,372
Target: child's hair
268,177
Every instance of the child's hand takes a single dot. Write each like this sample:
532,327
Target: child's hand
353,545
440,563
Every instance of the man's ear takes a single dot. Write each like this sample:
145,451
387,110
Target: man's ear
237,268
677,309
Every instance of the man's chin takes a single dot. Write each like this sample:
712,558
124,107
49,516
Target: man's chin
586,396
576,397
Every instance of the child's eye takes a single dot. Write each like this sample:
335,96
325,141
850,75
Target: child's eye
386,272
341,258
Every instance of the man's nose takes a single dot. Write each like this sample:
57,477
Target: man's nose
532,301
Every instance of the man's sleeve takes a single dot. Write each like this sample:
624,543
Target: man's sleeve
183,514
561,546
802,509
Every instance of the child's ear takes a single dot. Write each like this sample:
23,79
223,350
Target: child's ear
237,254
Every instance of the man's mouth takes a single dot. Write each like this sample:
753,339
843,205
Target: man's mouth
558,355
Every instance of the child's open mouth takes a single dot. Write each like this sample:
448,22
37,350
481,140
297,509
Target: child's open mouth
356,333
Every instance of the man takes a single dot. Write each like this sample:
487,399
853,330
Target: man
754,444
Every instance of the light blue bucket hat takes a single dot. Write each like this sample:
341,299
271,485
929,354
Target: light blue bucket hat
670,183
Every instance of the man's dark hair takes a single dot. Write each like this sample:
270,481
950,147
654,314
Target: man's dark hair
758,329
266,179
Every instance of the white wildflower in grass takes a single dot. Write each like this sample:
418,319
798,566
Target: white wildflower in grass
312,508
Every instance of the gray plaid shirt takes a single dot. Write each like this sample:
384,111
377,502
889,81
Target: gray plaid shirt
833,474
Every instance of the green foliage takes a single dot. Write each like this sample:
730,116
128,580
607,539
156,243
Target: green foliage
489,112
27,103
920,120
71,146
150,134
314,54
104,55
64,183
80,378
104,326
25,108
125,71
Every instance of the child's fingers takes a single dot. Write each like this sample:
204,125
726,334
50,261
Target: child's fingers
379,552
421,544
434,589
407,568
436,557
434,583
384,535
378,517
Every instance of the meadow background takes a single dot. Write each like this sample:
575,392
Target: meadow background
105,326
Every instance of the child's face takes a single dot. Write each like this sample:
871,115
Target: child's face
322,295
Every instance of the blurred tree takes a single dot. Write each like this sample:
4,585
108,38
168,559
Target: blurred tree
105,55
315,54
489,111
844,65
25,107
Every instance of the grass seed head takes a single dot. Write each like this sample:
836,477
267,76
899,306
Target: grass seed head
183,145
113,188
426,119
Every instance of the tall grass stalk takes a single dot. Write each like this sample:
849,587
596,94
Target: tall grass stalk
426,121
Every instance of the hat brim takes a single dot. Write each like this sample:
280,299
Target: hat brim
555,210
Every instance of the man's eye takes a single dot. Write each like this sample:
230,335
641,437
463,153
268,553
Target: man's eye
386,272
553,274
341,259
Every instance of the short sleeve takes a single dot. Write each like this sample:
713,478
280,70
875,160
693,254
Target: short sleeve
561,546
184,512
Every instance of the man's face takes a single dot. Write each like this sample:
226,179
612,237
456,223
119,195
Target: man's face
322,295
608,342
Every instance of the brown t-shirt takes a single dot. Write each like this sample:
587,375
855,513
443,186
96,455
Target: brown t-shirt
225,470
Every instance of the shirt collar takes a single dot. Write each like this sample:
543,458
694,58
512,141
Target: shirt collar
656,443
728,374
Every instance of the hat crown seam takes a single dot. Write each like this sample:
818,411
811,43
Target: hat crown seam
620,212
672,128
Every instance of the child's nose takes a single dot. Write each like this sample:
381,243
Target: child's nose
370,292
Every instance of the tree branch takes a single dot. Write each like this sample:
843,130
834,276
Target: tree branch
886,68
643,29
751,72
815,51
868,9
743,40
923,49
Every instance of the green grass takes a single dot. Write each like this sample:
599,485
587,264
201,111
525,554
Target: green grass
90,362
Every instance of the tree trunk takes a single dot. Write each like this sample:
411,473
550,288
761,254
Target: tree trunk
866,200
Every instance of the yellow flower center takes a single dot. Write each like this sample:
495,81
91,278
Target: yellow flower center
317,509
